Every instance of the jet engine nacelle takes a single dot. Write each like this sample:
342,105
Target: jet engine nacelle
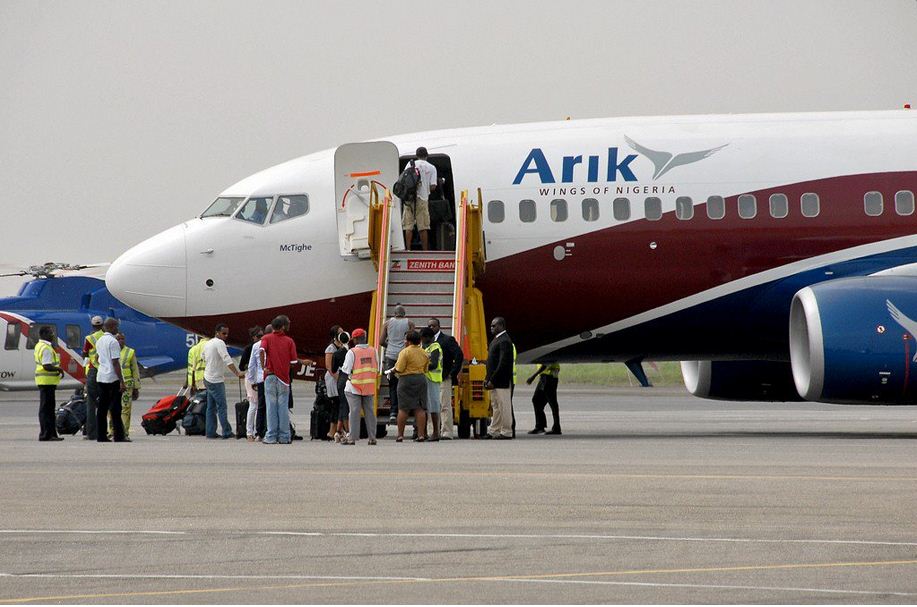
754,380
852,341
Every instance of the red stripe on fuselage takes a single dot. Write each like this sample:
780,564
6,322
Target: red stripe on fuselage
613,273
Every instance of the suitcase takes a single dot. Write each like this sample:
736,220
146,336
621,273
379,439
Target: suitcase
241,418
194,422
165,414
71,415
320,419
445,237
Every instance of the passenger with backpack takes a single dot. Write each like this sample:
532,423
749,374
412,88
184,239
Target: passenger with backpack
331,384
337,361
413,188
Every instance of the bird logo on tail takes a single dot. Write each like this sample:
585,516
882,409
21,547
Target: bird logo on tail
666,161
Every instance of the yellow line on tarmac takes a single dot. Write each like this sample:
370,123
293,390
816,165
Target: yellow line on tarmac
72,597
695,570
506,578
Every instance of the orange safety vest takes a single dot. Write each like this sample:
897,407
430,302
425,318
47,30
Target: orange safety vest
365,370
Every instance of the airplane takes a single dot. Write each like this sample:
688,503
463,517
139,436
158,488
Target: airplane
68,303
764,251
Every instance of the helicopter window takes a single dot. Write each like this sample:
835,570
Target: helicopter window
222,207
288,207
255,210
33,335
74,337
12,336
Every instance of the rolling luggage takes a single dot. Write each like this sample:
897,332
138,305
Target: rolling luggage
241,418
320,418
71,415
195,420
165,414
445,237
241,415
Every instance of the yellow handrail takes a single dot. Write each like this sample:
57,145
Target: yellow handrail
381,258
461,272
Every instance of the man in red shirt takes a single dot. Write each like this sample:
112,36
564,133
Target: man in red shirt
278,356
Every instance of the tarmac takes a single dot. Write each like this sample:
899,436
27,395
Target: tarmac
650,496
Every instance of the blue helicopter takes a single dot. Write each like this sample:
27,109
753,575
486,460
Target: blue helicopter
67,304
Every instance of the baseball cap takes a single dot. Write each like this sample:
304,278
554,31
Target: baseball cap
97,321
358,333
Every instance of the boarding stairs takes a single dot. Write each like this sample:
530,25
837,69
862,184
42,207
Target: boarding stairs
436,284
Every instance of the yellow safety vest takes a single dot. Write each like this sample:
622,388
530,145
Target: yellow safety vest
196,364
365,370
127,363
436,375
42,377
514,364
92,357
551,370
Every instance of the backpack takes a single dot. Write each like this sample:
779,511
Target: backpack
406,186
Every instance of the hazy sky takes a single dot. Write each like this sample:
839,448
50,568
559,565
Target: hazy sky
119,119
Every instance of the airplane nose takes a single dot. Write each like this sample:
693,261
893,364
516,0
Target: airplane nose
152,276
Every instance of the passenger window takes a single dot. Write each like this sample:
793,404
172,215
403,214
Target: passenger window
74,335
495,211
590,209
255,210
780,206
527,211
904,202
558,209
12,336
748,206
716,207
652,206
809,204
33,335
684,208
222,207
620,208
873,203
288,207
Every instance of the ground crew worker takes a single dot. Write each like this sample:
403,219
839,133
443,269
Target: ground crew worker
48,374
91,370
194,377
131,373
361,366
434,379
548,375
453,361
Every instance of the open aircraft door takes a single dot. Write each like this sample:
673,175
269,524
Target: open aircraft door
358,168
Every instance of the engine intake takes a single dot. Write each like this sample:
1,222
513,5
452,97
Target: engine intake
748,380
852,341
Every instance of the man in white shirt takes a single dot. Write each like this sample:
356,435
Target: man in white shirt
216,360
418,212
111,384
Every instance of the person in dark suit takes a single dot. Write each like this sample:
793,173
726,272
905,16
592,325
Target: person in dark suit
453,360
499,380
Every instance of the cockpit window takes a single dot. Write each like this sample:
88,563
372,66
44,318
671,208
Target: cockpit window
255,210
222,207
288,207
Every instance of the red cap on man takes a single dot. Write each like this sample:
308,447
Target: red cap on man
358,333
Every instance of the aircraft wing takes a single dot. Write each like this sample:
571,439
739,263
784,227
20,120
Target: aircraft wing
153,365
